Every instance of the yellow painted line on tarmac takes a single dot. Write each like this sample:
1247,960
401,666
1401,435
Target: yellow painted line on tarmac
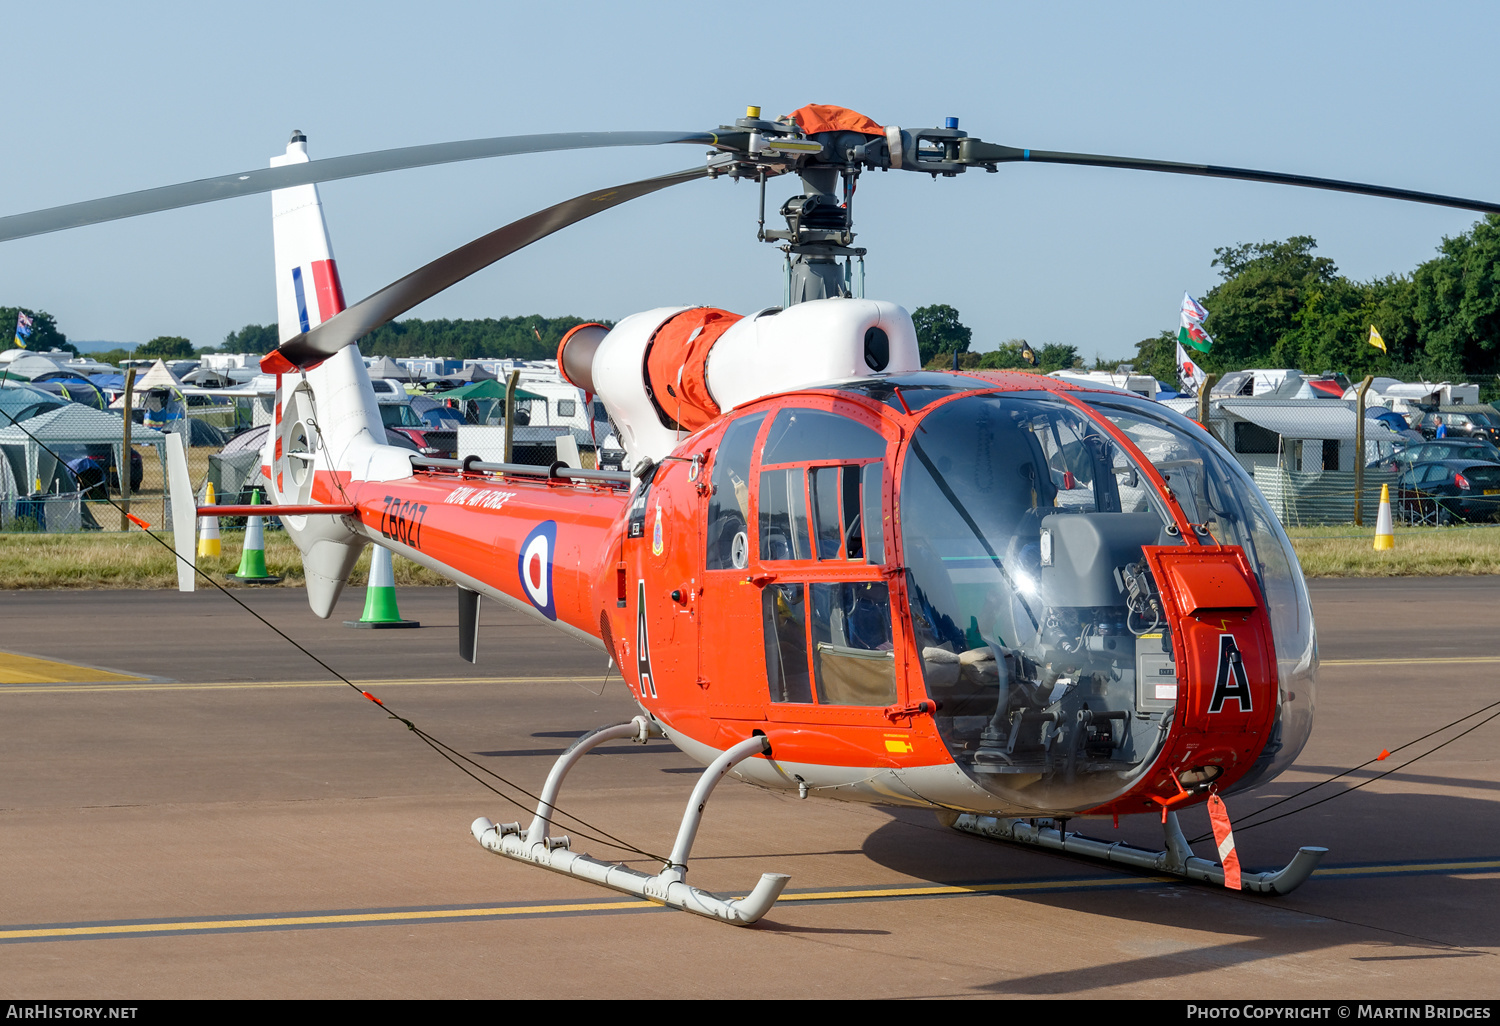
373,918
146,684
339,919
24,669
80,931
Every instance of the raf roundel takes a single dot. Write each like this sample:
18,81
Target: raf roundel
535,567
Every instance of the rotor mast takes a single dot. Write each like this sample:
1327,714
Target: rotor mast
822,261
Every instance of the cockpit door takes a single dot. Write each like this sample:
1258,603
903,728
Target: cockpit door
728,600
819,560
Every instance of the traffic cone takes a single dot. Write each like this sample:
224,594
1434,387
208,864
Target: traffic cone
208,529
253,558
380,596
1385,538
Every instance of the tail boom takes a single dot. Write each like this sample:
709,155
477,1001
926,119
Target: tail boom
540,547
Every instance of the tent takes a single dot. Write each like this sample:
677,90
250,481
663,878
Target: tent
473,372
71,387
166,409
22,402
385,367
69,428
489,388
28,365
208,378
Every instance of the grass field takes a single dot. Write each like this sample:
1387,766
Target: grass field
113,560
1348,551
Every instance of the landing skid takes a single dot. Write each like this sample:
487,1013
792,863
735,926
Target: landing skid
1178,858
666,887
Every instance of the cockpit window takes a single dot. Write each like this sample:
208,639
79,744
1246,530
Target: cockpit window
729,501
828,506
1021,521
1216,493
804,436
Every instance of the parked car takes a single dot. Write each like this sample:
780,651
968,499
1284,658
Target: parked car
401,419
1443,491
1481,422
1441,449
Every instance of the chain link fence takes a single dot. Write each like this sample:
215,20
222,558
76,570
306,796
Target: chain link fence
1319,462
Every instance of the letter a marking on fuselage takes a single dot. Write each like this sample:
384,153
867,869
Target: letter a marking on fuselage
643,645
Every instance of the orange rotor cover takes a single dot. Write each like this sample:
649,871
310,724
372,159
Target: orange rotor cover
677,364
820,117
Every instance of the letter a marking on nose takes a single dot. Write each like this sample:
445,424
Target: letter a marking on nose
1230,683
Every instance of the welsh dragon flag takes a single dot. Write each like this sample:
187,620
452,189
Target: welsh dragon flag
1188,372
1191,333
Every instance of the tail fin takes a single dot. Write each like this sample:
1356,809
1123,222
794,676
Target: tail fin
326,419
308,290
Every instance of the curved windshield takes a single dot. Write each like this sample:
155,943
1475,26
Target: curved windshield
1022,524
1215,491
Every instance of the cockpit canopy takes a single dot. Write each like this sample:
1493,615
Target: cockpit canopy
1018,521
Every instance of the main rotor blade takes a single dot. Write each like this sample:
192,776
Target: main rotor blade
987,153
312,347
210,190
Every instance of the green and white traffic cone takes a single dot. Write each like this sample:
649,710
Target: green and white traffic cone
380,596
253,558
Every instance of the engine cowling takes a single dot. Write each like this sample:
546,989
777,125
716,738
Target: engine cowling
664,373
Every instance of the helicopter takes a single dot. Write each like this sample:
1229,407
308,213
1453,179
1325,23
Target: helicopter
824,570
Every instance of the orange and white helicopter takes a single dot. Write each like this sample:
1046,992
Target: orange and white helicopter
824,570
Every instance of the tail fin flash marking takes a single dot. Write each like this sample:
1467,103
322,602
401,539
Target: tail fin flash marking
329,293
301,299
330,289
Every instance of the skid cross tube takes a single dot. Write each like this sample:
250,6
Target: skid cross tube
1178,858
666,887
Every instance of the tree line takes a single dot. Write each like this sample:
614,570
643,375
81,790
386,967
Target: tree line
940,334
1278,304
491,338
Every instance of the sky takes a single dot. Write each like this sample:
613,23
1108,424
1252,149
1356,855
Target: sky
109,98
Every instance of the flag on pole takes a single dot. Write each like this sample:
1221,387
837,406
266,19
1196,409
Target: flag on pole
1191,333
1027,354
23,328
1188,372
1377,341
